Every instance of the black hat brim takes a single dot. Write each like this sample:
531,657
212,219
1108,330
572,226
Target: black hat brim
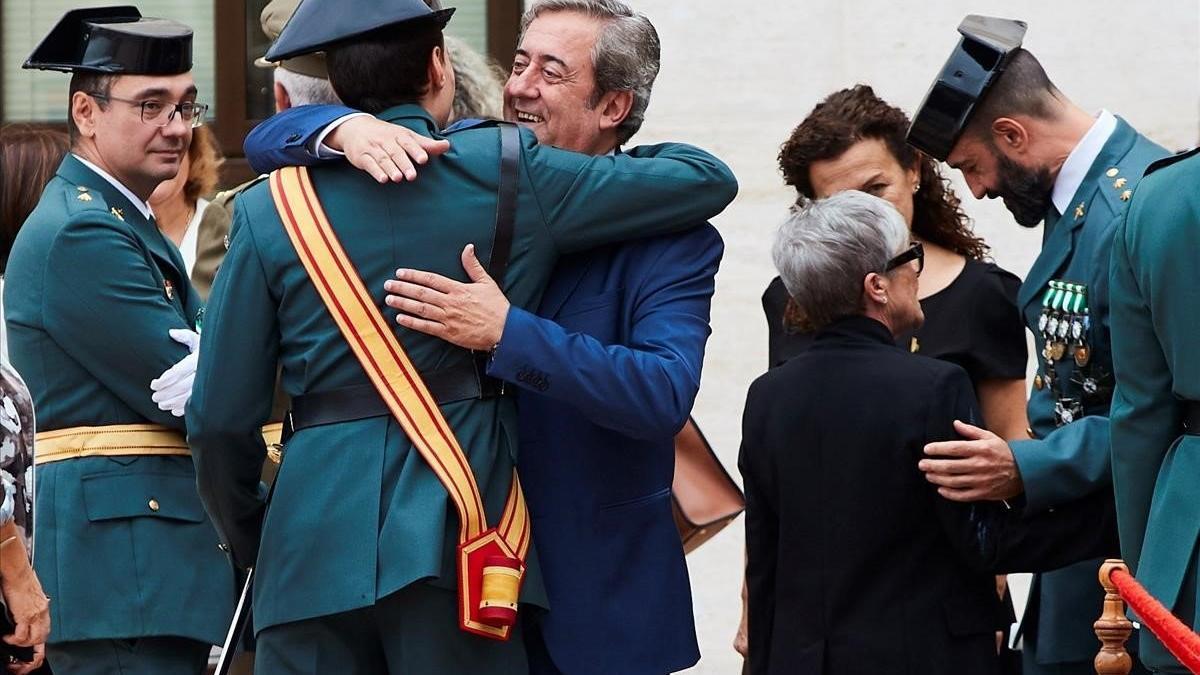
975,65
285,48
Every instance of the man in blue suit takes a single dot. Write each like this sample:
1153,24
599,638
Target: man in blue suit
608,369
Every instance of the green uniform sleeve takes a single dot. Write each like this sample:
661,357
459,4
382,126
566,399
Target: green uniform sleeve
115,320
588,201
1068,464
231,398
1155,293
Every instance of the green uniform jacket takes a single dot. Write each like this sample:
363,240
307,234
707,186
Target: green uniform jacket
1068,462
88,313
212,242
357,514
1156,469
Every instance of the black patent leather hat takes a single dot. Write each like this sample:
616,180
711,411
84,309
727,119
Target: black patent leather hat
117,40
974,66
318,24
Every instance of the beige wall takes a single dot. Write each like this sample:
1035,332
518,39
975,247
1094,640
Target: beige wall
737,76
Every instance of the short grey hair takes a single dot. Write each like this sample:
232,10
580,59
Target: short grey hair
305,89
626,55
825,248
478,83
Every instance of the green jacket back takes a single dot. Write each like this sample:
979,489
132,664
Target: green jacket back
353,501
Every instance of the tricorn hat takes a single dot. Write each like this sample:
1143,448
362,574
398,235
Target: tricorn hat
117,40
317,24
973,67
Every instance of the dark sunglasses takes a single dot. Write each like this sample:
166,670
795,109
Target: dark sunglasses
914,252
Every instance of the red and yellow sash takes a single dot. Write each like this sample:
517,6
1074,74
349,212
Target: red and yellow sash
490,560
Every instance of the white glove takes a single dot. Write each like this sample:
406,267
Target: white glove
173,388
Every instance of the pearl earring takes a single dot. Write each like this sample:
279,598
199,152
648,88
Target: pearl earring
916,188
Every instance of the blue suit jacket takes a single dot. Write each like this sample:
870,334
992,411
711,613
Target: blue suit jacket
607,379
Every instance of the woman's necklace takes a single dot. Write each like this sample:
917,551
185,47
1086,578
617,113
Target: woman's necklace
176,230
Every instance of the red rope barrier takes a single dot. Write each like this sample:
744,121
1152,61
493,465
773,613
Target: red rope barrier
1183,644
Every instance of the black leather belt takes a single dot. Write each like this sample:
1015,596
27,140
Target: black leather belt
457,383
1191,418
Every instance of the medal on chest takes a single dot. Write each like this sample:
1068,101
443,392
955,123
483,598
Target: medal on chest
1054,322
1064,327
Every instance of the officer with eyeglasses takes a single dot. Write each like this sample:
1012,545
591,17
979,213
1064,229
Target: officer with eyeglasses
161,113
99,305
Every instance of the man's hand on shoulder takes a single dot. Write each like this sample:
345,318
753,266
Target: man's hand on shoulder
386,151
979,467
470,315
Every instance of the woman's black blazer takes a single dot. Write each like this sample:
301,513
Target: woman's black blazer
855,564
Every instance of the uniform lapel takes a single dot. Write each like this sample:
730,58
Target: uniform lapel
1056,248
161,248
1060,237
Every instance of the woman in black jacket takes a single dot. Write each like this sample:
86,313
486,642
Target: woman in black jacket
855,564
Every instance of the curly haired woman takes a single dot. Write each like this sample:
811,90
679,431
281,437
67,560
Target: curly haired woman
853,140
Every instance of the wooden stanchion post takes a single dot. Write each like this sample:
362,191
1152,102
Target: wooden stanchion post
1113,629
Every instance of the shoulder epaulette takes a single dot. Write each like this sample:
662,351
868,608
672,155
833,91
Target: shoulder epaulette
224,202
82,198
226,197
1168,161
1117,186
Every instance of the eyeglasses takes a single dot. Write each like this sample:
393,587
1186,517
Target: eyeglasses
161,114
914,252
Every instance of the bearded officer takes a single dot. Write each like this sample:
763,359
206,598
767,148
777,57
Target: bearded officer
94,298
995,115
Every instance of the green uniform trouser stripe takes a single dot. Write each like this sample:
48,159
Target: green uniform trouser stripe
414,630
158,655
